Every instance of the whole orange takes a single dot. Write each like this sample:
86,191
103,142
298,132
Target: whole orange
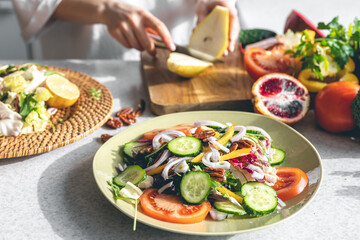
333,106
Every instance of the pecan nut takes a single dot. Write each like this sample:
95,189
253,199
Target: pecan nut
105,137
204,134
137,113
233,147
217,174
125,110
244,143
114,123
146,150
127,118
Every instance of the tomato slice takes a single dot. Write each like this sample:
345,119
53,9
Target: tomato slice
291,182
185,128
169,208
259,62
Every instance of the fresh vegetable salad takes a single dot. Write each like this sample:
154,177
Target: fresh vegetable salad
23,97
184,173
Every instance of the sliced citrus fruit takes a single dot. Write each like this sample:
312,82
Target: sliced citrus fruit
349,77
281,97
211,36
64,93
186,66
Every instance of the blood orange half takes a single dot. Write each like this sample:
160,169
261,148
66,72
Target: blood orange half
281,97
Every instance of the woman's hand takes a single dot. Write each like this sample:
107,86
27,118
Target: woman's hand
127,24
204,7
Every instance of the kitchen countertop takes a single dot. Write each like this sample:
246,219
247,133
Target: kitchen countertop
54,195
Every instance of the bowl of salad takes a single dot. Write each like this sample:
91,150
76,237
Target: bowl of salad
209,172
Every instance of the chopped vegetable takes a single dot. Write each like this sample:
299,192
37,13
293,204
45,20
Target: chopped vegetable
134,174
291,182
185,146
258,201
248,36
278,156
195,187
169,208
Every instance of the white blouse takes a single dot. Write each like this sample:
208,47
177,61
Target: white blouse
56,39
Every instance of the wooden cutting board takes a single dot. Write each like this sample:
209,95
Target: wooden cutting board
224,86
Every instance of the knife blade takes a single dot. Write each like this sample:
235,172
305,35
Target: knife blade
186,50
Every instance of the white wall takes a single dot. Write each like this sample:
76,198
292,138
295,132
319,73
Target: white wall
11,44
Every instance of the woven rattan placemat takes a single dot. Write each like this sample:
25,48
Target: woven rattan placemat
71,124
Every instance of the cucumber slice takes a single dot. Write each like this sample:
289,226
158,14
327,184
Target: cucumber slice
259,202
185,146
229,207
134,174
249,186
195,187
129,148
278,156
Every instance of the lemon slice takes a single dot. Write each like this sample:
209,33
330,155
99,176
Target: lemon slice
64,93
186,66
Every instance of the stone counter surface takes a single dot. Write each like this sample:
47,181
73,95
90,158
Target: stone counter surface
54,195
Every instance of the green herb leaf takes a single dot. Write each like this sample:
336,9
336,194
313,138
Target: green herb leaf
233,183
8,70
27,105
214,185
95,93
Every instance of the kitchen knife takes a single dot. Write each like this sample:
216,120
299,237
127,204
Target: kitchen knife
186,50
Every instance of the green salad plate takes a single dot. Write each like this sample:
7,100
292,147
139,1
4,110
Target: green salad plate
300,153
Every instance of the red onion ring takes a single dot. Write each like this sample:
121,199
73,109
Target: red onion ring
170,164
52,111
257,171
207,162
216,144
168,135
209,123
240,134
166,186
164,156
215,153
262,131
